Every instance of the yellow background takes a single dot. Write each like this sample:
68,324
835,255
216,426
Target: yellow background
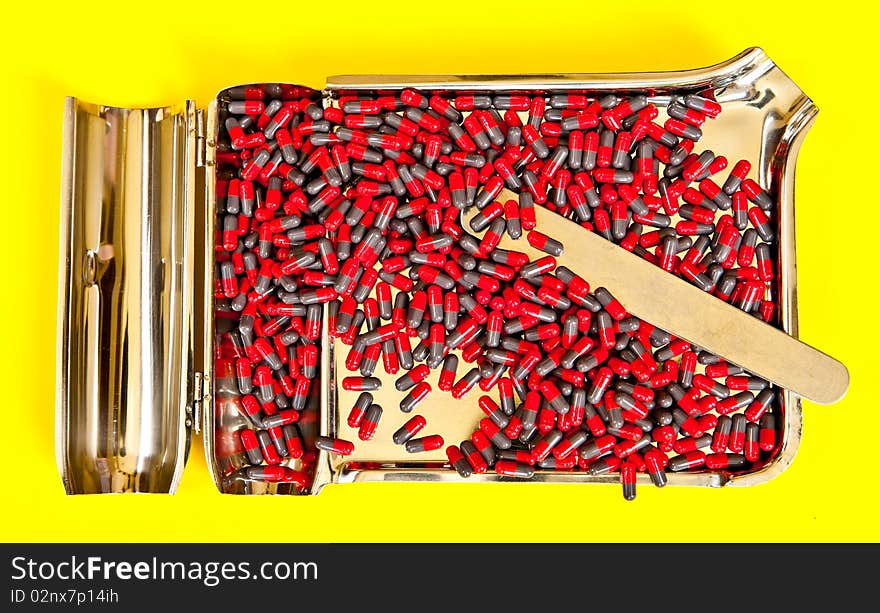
132,53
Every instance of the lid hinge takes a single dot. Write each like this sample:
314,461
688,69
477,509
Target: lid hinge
200,138
194,409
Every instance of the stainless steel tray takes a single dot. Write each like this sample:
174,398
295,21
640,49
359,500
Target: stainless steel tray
765,119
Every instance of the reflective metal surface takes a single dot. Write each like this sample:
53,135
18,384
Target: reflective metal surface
125,297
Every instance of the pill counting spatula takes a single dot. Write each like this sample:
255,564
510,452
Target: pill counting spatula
684,310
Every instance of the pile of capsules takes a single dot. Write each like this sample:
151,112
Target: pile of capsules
362,205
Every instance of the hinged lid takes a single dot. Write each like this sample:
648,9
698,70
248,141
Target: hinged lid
126,376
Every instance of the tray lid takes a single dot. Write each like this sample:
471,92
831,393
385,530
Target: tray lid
126,377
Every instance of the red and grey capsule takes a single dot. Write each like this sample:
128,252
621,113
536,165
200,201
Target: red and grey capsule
725,461
458,462
334,445
687,461
251,446
415,396
356,415
408,430
412,377
426,443
368,384
767,432
370,422
510,468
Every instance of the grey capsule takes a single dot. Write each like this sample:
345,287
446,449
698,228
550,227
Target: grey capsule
679,463
615,417
719,390
546,314
545,366
587,363
762,199
485,367
470,244
233,204
626,401
676,110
